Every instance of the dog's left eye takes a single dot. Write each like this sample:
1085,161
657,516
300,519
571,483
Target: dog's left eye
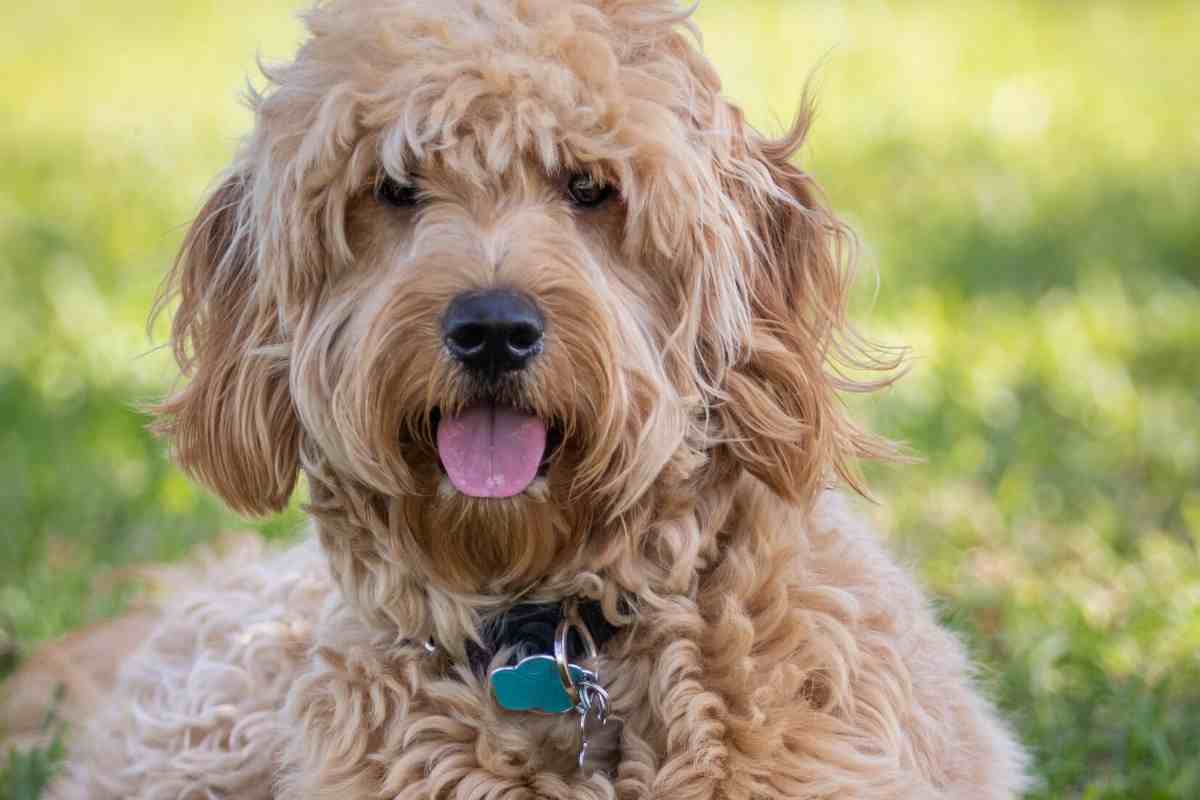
392,192
587,191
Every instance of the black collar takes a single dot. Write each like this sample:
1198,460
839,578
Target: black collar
530,629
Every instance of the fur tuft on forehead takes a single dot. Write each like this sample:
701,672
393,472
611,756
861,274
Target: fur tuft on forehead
477,83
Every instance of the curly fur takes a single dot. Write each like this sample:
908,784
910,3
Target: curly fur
696,348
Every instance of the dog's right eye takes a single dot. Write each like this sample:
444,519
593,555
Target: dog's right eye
586,191
392,192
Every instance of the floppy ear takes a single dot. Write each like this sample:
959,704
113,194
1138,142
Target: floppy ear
781,417
233,426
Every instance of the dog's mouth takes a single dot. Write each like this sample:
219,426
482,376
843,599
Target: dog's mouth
491,450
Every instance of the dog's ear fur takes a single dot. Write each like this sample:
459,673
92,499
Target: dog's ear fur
781,417
232,426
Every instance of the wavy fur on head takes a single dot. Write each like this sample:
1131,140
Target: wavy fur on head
696,347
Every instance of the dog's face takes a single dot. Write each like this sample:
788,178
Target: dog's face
511,283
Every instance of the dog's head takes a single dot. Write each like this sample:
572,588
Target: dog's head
510,282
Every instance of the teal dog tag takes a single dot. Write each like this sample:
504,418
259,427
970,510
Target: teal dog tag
534,685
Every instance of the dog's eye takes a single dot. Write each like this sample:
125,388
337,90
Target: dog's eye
586,191
392,192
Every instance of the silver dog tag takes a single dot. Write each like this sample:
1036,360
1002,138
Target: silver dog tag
601,750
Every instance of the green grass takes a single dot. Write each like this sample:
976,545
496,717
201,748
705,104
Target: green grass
1026,180
24,773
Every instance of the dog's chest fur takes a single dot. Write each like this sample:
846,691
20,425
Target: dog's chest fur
801,651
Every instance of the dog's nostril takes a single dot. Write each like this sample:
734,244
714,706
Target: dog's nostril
468,338
524,337
494,331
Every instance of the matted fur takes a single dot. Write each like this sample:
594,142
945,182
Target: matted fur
696,346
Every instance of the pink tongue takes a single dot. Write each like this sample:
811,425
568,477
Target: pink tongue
491,451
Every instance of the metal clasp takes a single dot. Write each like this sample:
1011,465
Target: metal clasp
572,621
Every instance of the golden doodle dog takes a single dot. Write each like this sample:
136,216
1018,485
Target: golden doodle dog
557,340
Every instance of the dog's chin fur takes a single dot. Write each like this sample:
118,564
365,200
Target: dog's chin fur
695,350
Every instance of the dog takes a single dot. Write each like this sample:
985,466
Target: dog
557,340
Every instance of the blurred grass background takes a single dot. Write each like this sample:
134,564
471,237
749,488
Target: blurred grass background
1025,177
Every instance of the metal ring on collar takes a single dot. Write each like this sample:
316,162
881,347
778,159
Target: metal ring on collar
594,698
571,620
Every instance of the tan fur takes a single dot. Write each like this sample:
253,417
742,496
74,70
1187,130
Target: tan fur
696,348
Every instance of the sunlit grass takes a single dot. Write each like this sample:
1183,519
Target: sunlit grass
1026,181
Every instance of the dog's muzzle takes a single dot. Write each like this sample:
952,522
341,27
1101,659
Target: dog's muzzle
489,449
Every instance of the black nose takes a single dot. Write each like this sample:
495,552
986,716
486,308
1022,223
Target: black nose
493,332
